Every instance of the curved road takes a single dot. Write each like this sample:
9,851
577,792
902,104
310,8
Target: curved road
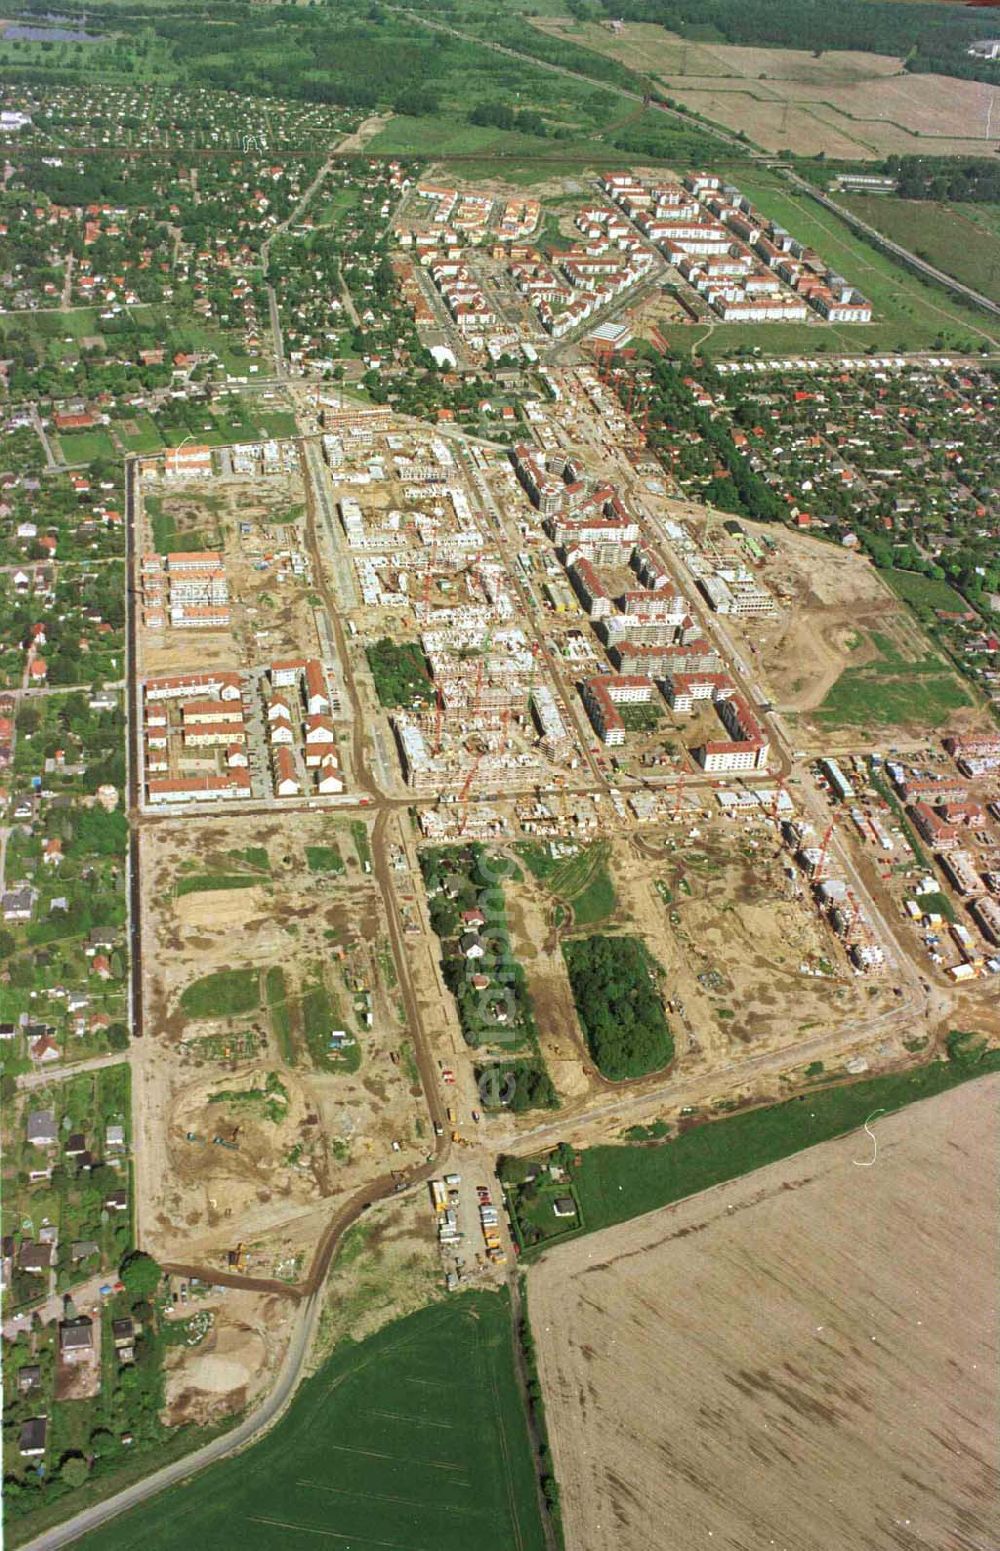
245,1433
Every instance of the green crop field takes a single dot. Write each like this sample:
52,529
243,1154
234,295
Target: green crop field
411,1439
227,993
942,234
613,1184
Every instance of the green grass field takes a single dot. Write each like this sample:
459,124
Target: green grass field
324,859
414,1438
581,881
893,690
85,446
207,883
166,534
945,235
614,1184
228,993
924,592
280,1012
143,435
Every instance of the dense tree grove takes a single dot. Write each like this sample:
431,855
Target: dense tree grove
517,1086
735,487
925,177
618,1005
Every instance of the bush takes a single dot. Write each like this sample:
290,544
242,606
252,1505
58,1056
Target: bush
141,1274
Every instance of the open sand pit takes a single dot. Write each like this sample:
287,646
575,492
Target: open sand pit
234,1362
237,1356
804,1358
220,910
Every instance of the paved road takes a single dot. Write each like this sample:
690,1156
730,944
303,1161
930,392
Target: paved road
49,1074
265,253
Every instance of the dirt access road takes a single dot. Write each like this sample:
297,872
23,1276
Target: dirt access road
801,1358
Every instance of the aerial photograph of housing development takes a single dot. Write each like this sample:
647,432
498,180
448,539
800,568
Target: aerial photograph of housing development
499,775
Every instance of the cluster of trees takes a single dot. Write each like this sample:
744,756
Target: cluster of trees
618,1005
400,672
459,879
501,116
735,487
130,1400
923,177
539,1427
517,1086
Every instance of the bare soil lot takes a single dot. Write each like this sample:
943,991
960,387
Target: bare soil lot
388,1265
826,595
234,1363
794,1359
844,656
847,104
750,965
250,1124
258,524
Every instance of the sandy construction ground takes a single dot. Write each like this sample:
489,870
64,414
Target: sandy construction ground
803,1359
845,103
257,524
750,965
826,595
234,1362
833,610
332,1129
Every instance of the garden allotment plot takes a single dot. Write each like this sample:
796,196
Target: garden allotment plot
413,1439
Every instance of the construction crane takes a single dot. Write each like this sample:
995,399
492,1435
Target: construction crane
438,718
824,843
680,795
464,795
776,804
479,689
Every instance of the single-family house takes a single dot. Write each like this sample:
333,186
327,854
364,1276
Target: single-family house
41,1128
35,1259
76,1340
32,1439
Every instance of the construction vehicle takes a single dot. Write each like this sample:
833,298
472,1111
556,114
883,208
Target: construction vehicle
221,1141
238,1257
